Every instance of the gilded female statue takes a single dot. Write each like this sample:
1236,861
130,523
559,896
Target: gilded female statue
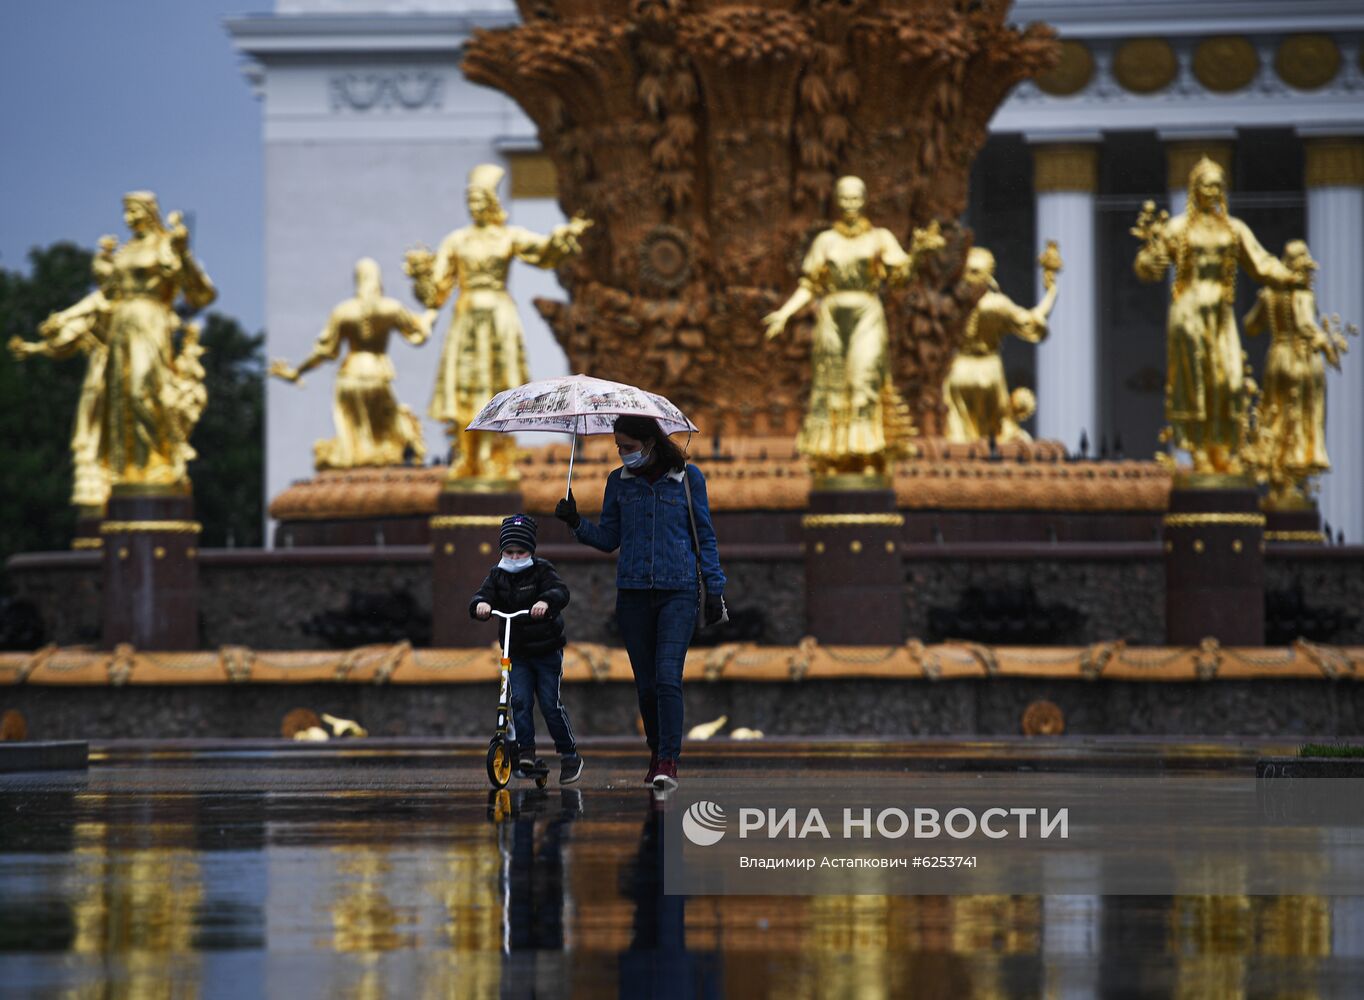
139,406
1204,401
372,427
82,329
979,404
852,426
1293,408
484,351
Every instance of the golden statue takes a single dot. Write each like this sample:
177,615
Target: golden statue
484,351
372,427
1292,425
979,404
855,423
82,329
1205,399
152,395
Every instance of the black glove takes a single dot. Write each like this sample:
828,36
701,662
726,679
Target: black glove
715,608
566,510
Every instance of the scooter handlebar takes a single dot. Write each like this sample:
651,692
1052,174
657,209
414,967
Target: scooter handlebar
509,615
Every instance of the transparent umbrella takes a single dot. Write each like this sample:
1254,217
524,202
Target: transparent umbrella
575,404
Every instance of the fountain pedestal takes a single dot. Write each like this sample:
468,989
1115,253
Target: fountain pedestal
151,569
464,534
853,571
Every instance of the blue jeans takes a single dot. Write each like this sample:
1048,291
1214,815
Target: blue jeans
657,627
538,677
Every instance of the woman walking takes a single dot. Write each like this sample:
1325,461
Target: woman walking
645,514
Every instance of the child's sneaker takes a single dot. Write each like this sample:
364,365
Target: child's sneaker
526,764
570,768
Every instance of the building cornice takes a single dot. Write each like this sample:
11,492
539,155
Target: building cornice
264,35
1170,18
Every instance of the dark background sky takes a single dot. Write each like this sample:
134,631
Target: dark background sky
99,97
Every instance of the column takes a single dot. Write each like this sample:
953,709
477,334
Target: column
1335,233
1181,155
1065,177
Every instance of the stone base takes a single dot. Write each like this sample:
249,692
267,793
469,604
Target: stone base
464,547
854,708
1026,491
44,756
1294,527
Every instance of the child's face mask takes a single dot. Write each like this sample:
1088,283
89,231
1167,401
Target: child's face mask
516,565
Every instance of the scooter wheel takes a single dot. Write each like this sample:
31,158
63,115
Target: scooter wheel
499,763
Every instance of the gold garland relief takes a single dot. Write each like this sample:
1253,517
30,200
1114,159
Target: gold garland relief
1065,167
1335,163
466,521
851,520
1072,73
1203,520
157,527
1311,537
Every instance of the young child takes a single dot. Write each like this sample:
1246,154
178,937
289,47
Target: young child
518,582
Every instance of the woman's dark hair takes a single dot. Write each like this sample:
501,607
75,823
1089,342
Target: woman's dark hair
646,429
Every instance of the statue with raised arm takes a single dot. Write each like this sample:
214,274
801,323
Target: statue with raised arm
82,329
854,425
484,351
1292,409
372,427
1205,401
979,404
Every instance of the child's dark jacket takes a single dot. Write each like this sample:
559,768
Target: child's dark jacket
517,592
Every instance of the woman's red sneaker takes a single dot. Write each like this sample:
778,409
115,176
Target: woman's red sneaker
665,778
653,770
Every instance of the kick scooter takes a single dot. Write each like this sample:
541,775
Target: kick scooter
500,747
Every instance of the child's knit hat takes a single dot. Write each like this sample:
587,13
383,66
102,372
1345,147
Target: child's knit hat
519,529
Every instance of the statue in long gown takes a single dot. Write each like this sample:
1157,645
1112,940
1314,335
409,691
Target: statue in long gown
82,329
979,404
854,424
372,427
484,351
1292,410
1205,401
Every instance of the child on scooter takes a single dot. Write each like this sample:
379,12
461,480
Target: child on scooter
520,581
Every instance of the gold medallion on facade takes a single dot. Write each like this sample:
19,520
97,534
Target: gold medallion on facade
1145,65
1307,62
1225,63
1072,73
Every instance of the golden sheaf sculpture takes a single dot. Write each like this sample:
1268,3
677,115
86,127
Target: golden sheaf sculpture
142,394
484,349
1205,398
855,424
979,404
372,427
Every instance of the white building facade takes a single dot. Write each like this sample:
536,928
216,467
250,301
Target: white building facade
370,129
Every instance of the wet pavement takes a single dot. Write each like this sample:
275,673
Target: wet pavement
385,869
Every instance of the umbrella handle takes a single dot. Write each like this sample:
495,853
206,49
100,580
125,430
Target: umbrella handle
572,453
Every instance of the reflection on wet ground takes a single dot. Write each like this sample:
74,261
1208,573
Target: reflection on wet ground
184,870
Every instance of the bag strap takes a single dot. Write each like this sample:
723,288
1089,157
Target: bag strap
691,516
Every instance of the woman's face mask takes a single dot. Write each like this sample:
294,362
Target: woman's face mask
516,565
636,459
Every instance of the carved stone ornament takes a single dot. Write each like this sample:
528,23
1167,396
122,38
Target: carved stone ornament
1226,63
1072,74
1307,62
705,139
1145,65
386,91
665,258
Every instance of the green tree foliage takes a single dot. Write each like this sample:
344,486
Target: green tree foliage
38,403
229,472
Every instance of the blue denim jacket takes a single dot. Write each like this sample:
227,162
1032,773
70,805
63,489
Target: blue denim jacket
649,524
